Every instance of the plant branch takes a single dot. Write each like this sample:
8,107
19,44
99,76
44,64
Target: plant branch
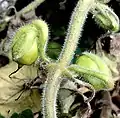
33,5
75,30
53,78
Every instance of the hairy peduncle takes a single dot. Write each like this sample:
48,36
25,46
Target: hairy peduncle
74,30
53,78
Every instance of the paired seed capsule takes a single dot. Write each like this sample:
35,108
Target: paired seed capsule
105,17
94,63
29,43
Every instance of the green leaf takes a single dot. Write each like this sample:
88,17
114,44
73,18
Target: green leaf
1,116
14,115
54,50
26,114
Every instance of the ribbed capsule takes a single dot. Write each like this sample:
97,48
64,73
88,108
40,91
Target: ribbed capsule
105,17
29,43
94,63
24,47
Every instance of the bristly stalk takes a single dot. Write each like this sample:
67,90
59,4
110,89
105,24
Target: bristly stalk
32,6
75,30
53,78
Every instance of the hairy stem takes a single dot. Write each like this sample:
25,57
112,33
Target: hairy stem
31,6
50,93
75,30
27,9
53,78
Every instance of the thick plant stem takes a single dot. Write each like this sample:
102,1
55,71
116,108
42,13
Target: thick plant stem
53,78
50,93
74,30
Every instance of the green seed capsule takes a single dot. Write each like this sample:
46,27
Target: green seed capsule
29,43
24,48
93,62
105,17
